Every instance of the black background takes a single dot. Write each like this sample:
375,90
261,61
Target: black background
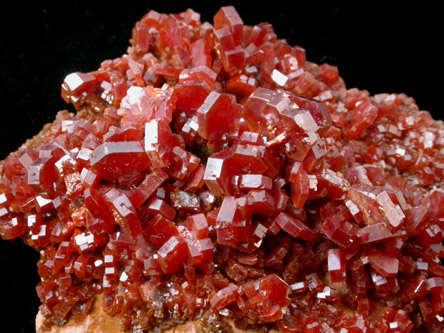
376,48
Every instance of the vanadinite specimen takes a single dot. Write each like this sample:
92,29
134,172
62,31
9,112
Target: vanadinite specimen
212,173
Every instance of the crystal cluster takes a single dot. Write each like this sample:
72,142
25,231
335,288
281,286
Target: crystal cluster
213,173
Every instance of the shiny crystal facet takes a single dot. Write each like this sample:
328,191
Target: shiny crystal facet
111,159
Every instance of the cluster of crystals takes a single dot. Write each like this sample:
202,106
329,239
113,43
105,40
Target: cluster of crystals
214,173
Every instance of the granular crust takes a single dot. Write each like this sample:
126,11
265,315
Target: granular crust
97,322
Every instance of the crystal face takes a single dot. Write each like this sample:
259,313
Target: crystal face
214,173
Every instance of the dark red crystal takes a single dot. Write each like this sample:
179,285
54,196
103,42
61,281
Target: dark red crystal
214,173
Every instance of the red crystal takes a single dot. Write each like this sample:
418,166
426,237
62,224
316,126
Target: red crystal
224,297
75,84
300,186
228,17
252,181
148,186
213,172
198,225
336,265
112,159
159,142
159,230
217,115
123,211
341,232
294,227
157,205
172,255
360,119
385,265
374,233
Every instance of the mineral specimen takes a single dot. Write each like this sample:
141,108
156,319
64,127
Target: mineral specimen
214,174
